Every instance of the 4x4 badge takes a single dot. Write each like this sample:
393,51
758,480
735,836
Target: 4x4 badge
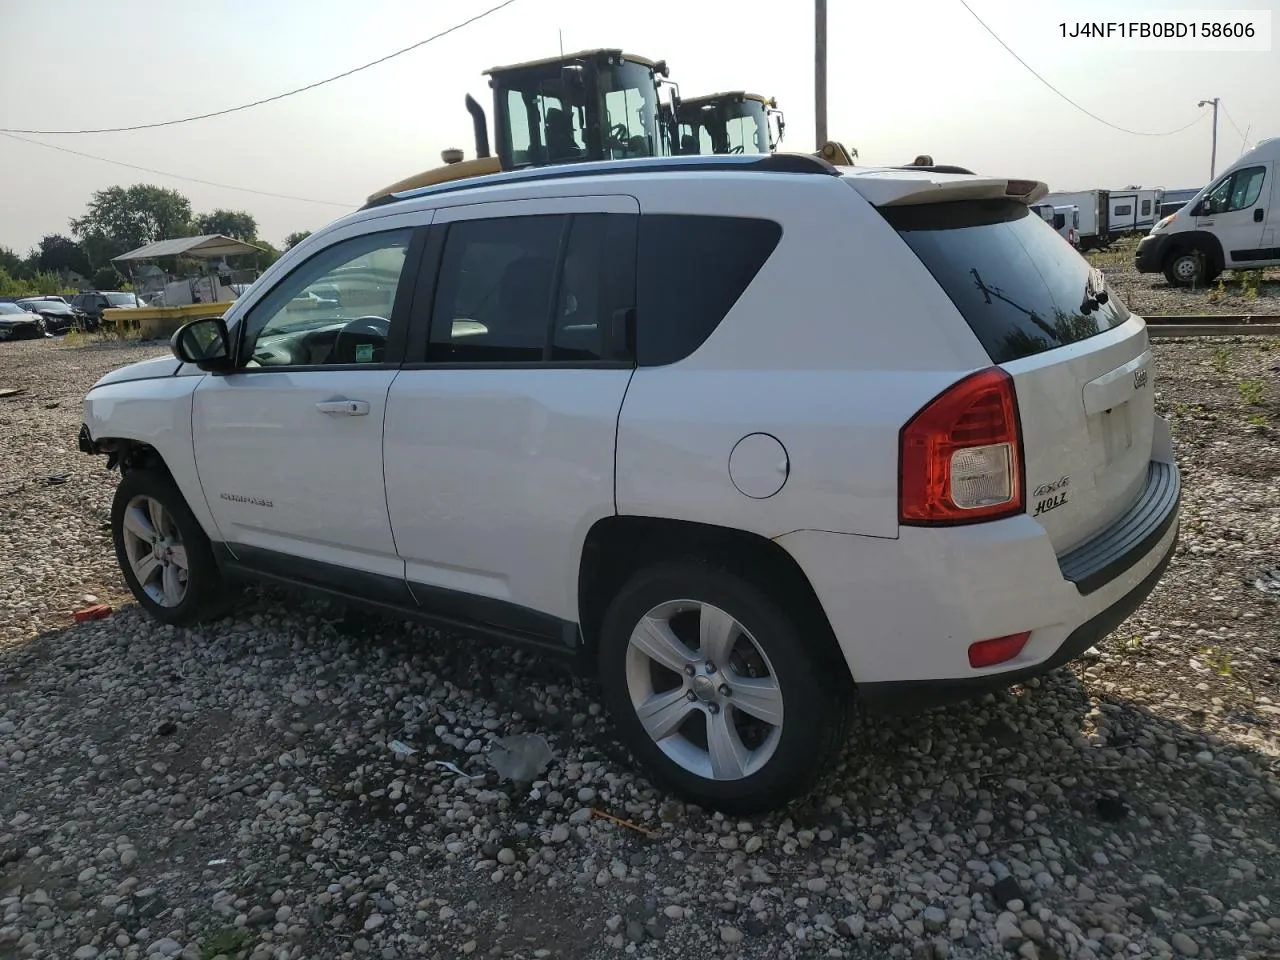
1047,488
1139,379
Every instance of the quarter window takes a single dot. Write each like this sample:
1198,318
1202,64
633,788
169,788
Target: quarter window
690,272
335,308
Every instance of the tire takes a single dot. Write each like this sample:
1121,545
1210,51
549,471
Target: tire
777,763
1190,266
203,596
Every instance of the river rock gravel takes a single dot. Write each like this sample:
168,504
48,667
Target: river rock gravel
233,791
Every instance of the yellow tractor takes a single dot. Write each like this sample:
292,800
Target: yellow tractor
736,122
592,105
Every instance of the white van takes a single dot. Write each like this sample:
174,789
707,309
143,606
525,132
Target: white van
1066,220
1232,224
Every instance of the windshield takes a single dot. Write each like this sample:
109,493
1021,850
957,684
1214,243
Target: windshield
631,111
11,308
121,299
724,126
1018,286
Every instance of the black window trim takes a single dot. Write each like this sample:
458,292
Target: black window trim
428,284
1235,177
400,315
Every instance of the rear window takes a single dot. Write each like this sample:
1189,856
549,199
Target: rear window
1018,284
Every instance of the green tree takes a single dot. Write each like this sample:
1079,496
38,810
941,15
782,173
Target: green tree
36,284
107,278
58,253
12,264
239,224
120,219
268,256
295,238
9,286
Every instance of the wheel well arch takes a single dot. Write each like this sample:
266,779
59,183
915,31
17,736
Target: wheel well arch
129,454
616,547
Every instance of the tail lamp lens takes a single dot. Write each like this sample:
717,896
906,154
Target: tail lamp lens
960,458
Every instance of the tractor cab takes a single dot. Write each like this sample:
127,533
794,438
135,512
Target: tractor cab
735,122
592,105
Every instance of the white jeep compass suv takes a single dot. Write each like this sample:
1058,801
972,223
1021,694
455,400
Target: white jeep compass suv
759,436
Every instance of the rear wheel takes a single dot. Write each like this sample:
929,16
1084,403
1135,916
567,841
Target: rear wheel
716,690
165,557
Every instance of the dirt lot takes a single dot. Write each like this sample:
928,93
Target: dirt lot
1255,292
232,792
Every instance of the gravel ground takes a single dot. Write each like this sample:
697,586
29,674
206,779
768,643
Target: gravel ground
233,792
1255,293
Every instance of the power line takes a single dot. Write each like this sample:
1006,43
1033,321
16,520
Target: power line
1087,112
278,96
178,176
1228,116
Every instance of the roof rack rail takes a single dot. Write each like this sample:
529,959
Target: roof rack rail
768,163
936,168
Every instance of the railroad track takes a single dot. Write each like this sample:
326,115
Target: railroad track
1214,325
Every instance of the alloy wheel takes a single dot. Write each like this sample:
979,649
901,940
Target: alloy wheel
157,555
704,690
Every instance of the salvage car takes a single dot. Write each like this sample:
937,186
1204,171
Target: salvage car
92,304
17,323
752,437
59,316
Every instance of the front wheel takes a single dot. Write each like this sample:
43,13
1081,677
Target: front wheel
165,557
1186,268
716,691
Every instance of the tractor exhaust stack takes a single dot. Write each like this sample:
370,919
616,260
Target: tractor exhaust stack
481,126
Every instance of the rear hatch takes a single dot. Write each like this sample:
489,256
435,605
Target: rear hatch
1081,366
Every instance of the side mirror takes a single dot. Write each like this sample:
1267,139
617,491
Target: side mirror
203,342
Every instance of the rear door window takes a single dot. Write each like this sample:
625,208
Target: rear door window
537,288
1018,286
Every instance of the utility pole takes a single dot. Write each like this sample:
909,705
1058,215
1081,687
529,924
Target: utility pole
1213,155
820,70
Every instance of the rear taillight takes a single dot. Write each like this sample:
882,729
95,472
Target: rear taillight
960,458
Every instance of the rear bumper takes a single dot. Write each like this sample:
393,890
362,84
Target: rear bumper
905,611
909,695
1149,257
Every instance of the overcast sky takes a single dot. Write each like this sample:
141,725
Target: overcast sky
905,78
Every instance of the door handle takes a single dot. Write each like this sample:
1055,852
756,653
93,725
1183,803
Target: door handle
1258,215
344,408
